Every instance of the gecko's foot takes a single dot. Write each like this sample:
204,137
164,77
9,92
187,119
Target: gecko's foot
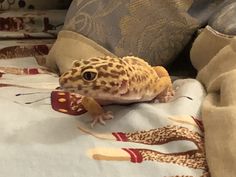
102,118
165,96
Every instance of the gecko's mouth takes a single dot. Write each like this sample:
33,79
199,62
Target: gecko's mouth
75,89
69,89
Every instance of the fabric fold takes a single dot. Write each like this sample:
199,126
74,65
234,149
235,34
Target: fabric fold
215,59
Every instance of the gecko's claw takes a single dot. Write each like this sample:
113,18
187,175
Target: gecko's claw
102,118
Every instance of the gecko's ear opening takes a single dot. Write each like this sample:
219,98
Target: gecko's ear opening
124,87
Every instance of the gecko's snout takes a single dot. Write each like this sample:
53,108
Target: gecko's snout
66,82
63,80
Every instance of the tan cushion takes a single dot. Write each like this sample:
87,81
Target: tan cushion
214,55
207,45
72,46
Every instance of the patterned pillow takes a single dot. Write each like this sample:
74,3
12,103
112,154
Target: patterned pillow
156,30
34,4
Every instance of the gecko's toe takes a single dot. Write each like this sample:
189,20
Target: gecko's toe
97,120
102,118
108,115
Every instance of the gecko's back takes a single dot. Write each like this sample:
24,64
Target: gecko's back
113,80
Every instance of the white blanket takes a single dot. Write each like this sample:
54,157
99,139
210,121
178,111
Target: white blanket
143,139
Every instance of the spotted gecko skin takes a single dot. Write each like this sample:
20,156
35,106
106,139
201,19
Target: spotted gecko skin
110,80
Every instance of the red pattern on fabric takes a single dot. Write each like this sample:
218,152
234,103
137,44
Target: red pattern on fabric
199,123
135,156
5,85
31,71
120,136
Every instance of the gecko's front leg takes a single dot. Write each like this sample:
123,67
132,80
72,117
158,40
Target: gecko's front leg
164,85
98,114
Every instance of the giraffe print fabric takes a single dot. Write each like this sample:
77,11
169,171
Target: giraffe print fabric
44,128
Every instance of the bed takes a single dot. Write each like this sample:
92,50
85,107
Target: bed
39,138
43,132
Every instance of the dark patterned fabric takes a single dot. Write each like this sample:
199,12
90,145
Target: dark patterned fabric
28,24
34,4
12,49
155,30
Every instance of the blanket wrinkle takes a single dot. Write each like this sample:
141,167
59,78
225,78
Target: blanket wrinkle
219,107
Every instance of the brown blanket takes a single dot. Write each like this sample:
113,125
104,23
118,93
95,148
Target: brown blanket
214,55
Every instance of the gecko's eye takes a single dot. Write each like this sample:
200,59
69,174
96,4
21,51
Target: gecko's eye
89,75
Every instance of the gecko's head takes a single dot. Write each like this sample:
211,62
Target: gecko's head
102,78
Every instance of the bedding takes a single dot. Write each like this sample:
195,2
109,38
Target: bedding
33,4
41,134
31,24
44,132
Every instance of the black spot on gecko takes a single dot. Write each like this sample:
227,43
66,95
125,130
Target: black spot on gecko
79,87
113,84
95,87
102,67
120,61
107,89
103,82
112,60
114,92
118,66
156,91
135,90
122,72
133,79
85,91
94,59
145,87
76,64
73,71
86,62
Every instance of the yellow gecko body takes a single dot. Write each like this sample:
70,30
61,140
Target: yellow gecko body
107,80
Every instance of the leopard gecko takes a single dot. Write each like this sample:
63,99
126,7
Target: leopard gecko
108,80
